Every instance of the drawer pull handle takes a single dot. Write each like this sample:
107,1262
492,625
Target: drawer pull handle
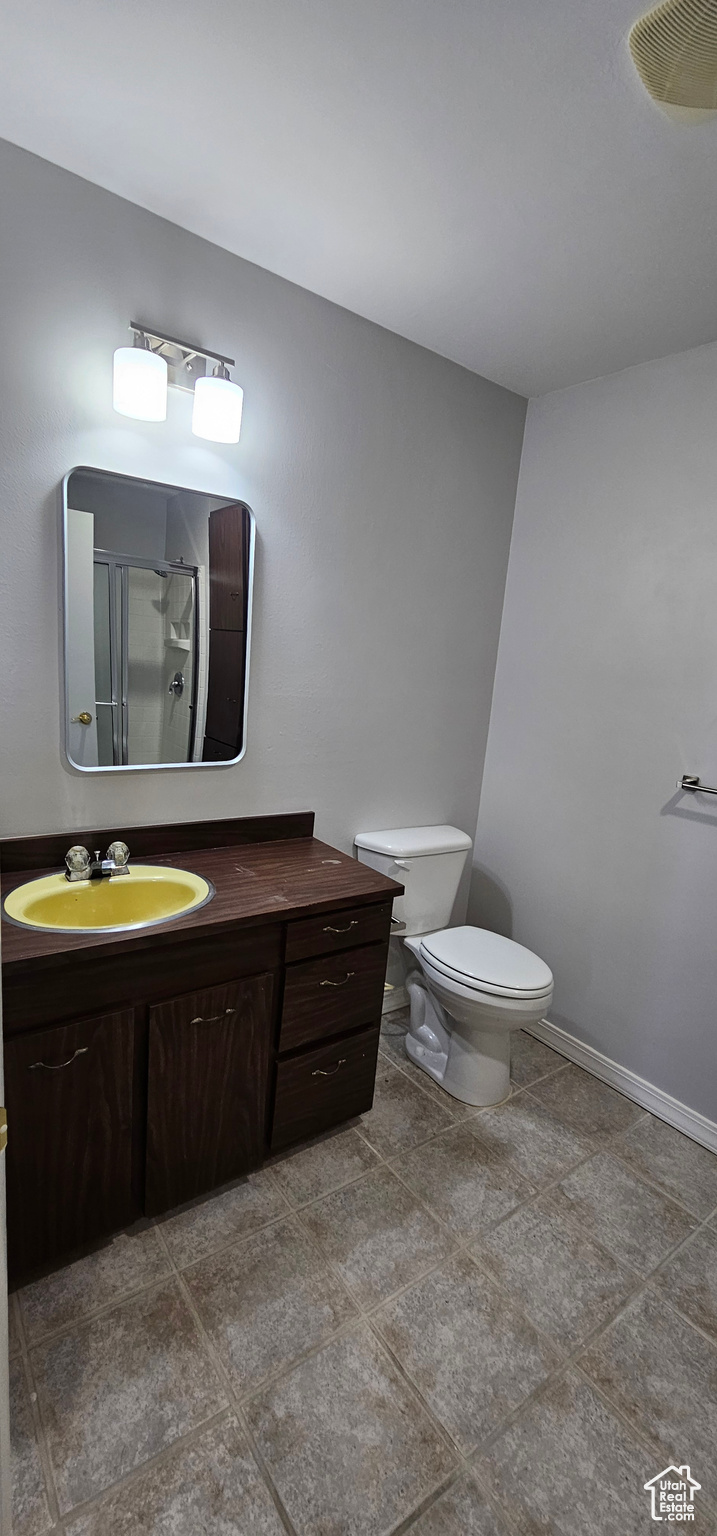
347,977
48,1066
352,924
214,1018
320,1072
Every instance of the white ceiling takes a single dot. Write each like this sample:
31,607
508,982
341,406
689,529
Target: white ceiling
486,177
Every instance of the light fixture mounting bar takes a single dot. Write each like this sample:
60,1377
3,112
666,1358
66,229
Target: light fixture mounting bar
184,346
185,362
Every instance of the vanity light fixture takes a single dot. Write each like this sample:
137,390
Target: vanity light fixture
140,381
143,371
217,407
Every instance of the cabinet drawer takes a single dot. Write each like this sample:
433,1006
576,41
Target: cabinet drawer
321,1088
332,995
338,930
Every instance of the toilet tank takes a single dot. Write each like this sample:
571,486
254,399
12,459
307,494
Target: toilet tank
428,861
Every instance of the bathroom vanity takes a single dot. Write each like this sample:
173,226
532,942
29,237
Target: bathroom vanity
146,1067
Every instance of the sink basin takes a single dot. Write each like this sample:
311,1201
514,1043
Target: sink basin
148,895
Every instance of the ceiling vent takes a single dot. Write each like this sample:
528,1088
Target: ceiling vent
674,48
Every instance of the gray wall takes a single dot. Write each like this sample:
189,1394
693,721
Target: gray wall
605,694
383,482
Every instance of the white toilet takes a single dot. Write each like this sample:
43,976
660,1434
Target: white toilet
471,987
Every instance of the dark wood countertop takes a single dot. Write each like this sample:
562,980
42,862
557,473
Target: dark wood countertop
256,883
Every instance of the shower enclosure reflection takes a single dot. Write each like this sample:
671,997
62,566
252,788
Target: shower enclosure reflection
157,612
145,624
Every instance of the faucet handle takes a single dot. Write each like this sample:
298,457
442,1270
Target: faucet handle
77,860
118,853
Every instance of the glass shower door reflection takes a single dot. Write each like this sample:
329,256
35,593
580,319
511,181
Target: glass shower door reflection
145,636
106,706
159,664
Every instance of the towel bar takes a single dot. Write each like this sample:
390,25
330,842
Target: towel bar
688,781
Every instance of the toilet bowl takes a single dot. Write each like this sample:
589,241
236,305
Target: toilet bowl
472,990
468,988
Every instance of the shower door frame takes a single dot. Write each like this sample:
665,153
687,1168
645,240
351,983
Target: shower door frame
119,648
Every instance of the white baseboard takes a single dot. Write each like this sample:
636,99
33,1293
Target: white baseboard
659,1103
394,998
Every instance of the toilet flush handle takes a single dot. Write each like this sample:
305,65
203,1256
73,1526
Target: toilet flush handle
401,864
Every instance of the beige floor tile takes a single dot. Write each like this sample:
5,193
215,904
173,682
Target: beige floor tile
63,1298
470,1352
592,1108
689,1280
402,1115
567,1466
613,1207
30,1508
679,1166
662,1376
563,1281
377,1235
350,1450
209,1487
266,1301
325,1165
530,1059
122,1388
467,1183
462,1510
236,1212
127,1387
536,1141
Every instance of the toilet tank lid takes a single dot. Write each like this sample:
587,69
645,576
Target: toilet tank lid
414,842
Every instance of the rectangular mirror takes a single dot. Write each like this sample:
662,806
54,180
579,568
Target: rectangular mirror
157,598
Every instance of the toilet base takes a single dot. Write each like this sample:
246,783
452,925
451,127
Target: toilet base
471,1063
434,1063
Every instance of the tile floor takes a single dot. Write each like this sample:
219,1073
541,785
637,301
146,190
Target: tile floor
439,1321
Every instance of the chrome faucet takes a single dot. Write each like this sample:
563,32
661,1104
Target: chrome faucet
81,867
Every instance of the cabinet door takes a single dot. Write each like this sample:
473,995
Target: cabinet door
228,557
208,1074
225,692
69,1158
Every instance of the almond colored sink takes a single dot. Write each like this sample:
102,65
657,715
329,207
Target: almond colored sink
147,895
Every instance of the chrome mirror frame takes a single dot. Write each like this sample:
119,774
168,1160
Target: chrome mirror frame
147,767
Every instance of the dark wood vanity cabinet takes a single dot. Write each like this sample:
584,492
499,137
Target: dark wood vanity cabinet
206,1089
69,1172
200,1050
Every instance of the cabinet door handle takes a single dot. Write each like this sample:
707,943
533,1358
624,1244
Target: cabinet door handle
214,1018
347,977
352,924
48,1066
320,1072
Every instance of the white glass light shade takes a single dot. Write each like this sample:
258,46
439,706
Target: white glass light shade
217,410
140,384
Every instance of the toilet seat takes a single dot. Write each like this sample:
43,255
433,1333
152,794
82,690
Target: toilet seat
487,962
